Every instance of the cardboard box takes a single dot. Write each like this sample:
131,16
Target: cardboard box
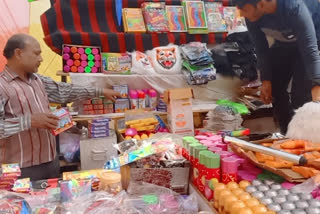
180,115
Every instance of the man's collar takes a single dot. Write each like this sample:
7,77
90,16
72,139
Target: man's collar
10,75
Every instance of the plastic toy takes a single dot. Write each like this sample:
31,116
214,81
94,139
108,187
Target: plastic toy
80,59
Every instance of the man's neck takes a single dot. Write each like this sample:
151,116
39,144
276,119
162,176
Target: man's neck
20,72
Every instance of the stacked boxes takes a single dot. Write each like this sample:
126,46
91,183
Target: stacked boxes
98,105
98,128
10,173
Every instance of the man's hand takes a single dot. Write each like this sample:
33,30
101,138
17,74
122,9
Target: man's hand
111,94
44,121
266,92
315,93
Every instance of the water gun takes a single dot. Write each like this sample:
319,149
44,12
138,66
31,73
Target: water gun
236,133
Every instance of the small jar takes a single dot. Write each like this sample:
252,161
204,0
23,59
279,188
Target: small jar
110,182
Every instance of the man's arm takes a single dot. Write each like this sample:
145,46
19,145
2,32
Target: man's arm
60,92
302,23
262,50
12,126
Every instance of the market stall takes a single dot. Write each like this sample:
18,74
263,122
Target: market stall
174,141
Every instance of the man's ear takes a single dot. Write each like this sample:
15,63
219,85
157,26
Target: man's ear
261,4
17,53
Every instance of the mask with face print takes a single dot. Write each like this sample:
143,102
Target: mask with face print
166,60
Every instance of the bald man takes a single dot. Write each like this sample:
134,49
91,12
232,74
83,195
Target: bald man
25,118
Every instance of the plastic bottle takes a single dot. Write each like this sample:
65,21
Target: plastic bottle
134,99
196,169
142,99
229,170
153,99
146,92
211,174
185,141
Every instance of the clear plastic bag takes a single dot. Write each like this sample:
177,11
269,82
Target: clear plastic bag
69,145
96,203
152,199
11,203
308,186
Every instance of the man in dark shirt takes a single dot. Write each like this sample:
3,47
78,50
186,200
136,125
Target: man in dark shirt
294,25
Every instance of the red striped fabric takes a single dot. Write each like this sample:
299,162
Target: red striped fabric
183,38
93,18
76,19
155,40
139,42
122,42
211,37
104,41
60,25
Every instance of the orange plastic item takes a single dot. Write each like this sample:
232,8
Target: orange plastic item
74,50
76,56
309,147
306,172
263,157
309,156
74,69
316,154
77,63
294,151
293,144
279,163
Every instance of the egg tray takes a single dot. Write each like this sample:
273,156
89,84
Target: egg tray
281,200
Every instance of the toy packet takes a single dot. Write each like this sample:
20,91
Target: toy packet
65,121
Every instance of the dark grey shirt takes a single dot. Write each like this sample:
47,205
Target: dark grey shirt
295,21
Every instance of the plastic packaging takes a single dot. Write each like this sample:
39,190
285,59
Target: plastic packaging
13,204
308,186
238,107
152,199
69,145
134,99
99,202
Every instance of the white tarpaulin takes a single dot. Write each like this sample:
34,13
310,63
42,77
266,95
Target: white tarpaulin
222,88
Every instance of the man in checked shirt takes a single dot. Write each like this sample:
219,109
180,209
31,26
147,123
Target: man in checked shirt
25,118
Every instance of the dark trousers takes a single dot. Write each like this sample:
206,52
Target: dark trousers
287,64
42,171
